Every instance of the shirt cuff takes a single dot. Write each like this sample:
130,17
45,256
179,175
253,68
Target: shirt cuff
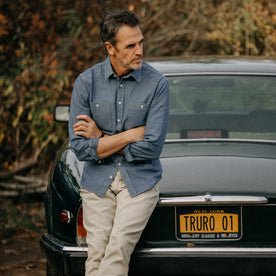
92,148
127,154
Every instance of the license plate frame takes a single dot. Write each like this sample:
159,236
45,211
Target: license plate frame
200,223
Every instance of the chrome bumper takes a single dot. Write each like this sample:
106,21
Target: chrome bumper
70,259
210,252
196,251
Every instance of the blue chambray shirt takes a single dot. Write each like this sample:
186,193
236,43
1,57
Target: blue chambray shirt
137,99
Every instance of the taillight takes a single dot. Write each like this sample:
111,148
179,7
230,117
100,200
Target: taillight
65,216
81,232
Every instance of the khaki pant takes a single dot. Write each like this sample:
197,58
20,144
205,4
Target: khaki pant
114,224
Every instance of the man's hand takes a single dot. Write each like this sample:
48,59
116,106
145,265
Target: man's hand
86,128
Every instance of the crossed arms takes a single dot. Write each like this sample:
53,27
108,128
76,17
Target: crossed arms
107,145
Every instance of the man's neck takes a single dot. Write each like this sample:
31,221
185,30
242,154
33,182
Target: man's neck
118,69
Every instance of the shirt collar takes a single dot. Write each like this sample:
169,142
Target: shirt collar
136,74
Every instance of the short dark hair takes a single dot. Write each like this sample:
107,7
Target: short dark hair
113,20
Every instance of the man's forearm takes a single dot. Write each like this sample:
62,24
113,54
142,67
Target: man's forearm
109,145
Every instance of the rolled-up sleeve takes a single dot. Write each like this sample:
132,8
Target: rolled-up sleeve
156,127
85,149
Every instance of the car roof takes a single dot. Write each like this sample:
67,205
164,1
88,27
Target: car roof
218,65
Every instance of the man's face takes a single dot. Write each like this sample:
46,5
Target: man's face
127,53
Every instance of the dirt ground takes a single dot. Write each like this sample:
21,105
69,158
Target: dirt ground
22,221
20,255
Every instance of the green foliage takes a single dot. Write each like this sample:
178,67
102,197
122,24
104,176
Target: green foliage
45,44
238,27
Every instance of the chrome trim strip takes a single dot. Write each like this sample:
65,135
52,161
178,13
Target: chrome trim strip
209,252
74,248
212,200
221,73
227,140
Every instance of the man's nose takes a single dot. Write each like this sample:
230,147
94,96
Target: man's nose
139,50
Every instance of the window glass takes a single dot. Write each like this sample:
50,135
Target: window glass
226,106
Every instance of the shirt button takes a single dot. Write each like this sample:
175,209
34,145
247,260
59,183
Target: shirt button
119,102
119,164
118,120
142,106
97,105
110,177
121,85
100,161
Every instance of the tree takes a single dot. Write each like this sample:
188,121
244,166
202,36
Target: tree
45,44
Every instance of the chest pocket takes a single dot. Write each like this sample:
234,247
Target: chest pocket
103,114
136,115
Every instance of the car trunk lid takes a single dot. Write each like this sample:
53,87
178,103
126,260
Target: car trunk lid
232,175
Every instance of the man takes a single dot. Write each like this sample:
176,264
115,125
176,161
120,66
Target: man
118,121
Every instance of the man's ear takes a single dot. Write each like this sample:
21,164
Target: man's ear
109,48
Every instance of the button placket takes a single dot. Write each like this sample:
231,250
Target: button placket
120,105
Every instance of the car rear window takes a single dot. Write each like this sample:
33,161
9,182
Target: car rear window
222,106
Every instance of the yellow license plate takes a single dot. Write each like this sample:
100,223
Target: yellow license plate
208,223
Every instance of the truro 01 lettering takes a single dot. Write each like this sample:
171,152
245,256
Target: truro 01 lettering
209,223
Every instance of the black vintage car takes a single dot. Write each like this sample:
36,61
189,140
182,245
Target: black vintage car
217,209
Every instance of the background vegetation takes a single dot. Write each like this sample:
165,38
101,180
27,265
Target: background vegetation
45,44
